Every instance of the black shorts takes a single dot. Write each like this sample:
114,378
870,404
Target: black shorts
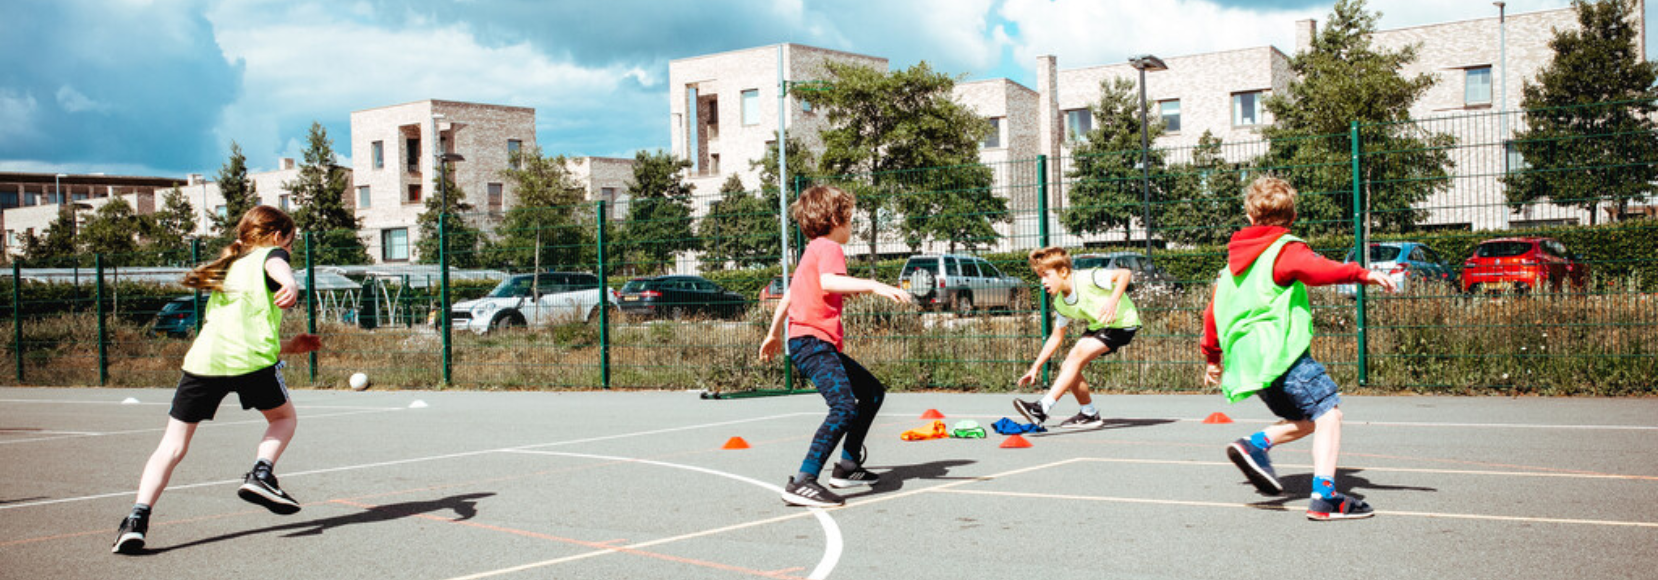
1116,338
198,397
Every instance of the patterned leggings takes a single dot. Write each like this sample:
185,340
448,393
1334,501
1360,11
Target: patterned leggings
854,397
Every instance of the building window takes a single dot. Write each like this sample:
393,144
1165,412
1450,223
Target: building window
413,159
713,164
220,211
495,197
394,245
363,198
1170,110
609,194
514,149
1477,90
379,154
414,194
282,202
751,107
1078,122
1246,108
1513,161
11,239
993,139
805,106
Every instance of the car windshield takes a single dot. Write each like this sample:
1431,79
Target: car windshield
176,306
512,288
776,286
1380,254
1502,249
1087,262
641,285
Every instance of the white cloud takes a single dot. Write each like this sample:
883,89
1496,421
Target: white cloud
17,116
73,101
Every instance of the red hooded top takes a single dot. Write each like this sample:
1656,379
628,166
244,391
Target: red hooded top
1296,262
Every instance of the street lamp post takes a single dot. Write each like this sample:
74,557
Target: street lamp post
1143,63
57,187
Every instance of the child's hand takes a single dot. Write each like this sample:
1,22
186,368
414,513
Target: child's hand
286,297
301,344
770,348
893,294
1211,375
1029,378
1108,311
1380,280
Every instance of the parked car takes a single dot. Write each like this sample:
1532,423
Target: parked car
960,283
532,300
1407,263
679,297
1146,274
1522,264
773,291
177,318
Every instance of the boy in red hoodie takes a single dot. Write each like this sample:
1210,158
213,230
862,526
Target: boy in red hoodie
1256,334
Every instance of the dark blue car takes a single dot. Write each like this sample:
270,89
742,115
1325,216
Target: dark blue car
177,318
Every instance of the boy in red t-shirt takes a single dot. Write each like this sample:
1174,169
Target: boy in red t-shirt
812,305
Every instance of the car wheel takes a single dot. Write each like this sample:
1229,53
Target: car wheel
964,304
507,320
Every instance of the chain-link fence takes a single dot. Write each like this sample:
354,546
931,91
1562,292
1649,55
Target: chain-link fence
1525,246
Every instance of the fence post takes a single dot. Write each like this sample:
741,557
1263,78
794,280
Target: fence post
98,297
1046,312
604,302
1360,252
311,298
443,292
17,317
195,305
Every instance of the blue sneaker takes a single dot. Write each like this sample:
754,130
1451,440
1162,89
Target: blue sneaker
1338,507
1255,464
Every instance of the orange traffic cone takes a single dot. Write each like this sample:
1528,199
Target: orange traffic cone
1217,418
932,414
1015,442
736,443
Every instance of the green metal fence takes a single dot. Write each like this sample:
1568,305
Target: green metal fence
573,297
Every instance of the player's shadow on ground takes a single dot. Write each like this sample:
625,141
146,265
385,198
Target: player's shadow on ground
1106,425
893,477
465,506
1300,485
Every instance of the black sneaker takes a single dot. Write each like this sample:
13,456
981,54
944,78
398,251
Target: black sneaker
1032,411
1338,507
129,539
1256,466
1083,421
843,477
260,487
810,494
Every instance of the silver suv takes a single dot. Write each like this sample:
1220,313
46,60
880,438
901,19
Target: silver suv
557,297
959,282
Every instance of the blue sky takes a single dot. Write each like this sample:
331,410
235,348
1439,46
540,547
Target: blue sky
161,87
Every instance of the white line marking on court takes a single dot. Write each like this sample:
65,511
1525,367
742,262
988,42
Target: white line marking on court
1376,423
831,531
403,461
202,424
1387,469
1287,508
168,402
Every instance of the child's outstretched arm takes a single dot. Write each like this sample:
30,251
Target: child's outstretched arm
1119,283
842,284
288,295
774,336
1049,347
1210,344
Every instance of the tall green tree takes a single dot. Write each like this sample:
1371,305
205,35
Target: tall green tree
170,228
740,229
547,224
884,128
802,167
318,195
659,223
238,192
113,231
1205,197
1589,134
464,240
1107,188
1342,78
54,247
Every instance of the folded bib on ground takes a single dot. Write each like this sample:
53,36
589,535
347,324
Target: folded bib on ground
968,429
936,431
1008,426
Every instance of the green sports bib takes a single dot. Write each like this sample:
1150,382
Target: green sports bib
1090,298
240,332
1263,327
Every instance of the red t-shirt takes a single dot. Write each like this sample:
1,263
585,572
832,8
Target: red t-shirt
813,312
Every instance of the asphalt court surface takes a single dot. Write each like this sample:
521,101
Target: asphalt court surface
636,485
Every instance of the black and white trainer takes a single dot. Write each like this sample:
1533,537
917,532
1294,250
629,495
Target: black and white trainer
259,487
1032,410
129,539
810,494
1083,421
842,477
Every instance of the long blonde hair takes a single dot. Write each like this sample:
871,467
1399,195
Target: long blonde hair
261,226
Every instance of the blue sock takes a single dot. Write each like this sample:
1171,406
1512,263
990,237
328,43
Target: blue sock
1324,487
1259,439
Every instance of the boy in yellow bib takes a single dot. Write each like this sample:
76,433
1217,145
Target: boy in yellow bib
1257,333
1096,299
237,352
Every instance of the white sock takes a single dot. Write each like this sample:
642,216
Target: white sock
1047,404
1089,409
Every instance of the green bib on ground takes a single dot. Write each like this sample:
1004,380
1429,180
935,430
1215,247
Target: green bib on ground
1090,298
240,333
1263,327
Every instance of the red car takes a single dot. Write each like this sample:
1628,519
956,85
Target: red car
773,291
1522,264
